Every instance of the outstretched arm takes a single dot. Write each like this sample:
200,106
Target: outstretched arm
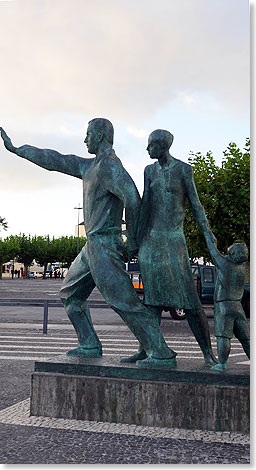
48,159
196,206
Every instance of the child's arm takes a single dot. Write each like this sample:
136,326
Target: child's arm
217,257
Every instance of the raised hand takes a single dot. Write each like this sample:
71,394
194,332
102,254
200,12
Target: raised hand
213,238
7,140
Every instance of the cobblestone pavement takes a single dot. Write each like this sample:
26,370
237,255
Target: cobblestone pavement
55,440
37,440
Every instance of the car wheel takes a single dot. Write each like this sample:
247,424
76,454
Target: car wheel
178,313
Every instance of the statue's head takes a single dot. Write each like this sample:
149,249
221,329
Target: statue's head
99,130
238,253
159,142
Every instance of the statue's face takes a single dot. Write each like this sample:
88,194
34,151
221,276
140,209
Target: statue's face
238,253
92,140
154,148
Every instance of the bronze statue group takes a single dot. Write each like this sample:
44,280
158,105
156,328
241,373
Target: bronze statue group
155,231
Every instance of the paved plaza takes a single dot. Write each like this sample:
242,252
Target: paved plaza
36,440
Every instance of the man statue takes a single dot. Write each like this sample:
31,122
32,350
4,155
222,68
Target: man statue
107,189
163,255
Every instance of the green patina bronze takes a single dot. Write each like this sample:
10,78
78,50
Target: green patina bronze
229,316
163,255
107,189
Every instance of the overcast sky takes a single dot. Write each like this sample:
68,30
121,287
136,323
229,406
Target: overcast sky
180,65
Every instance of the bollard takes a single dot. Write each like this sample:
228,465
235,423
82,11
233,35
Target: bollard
45,317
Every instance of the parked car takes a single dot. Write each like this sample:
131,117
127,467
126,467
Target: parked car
204,278
34,275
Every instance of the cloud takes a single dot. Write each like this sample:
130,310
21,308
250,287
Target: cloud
139,133
181,65
121,59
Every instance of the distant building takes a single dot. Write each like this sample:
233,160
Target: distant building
82,232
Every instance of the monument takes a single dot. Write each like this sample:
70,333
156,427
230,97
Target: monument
145,389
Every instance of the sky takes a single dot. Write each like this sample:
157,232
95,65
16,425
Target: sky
180,65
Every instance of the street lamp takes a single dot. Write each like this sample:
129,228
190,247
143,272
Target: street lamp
78,208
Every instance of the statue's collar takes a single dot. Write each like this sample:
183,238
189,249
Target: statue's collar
166,166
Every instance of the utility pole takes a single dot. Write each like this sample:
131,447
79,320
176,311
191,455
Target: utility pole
78,209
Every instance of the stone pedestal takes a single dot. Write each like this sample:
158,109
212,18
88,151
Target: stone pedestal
104,390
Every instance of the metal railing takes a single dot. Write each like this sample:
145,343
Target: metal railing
46,303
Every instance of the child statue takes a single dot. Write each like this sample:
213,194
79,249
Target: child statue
229,316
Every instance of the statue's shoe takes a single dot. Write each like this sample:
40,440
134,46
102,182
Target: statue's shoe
138,356
219,367
92,352
153,363
210,360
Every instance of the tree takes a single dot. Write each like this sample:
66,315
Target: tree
45,251
233,209
9,249
66,248
41,248
225,194
27,250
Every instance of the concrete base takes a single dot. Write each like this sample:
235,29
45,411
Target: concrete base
104,390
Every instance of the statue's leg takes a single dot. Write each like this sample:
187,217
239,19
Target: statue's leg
108,271
198,323
246,346
74,293
223,348
242,333
141,353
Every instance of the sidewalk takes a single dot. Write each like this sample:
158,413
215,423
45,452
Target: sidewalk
36,440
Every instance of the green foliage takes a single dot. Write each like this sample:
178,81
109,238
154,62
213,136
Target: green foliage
66,248
27,250
9,248
43,249
225,194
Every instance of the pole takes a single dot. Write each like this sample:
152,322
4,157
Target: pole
45,321
78,231
78,208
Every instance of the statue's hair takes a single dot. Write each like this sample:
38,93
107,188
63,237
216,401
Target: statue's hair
104,126
164,136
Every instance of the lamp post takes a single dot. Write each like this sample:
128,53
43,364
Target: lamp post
78,208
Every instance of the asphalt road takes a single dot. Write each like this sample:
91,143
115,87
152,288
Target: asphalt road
49,289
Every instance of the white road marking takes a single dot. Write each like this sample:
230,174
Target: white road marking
41,358
19,347
182,344
189,339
